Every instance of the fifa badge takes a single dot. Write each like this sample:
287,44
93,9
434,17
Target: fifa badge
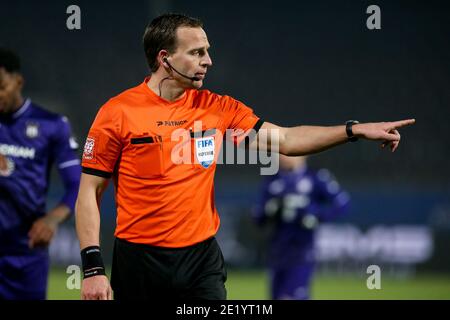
204,151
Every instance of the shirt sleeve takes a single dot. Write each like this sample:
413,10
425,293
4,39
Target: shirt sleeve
70,177
63,150
239,118
334,201
103,143
64,145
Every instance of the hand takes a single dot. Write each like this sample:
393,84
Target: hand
96,288
42,231
3,163
385,131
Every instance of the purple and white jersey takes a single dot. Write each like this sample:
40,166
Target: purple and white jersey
296,202
32,140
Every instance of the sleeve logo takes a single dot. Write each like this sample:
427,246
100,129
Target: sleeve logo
89,148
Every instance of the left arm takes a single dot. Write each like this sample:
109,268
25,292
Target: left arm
304,140
44,228
63,151
333,201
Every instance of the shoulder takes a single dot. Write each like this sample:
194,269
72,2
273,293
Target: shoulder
42,114
206,98
202,98
50,124
113,107
128,97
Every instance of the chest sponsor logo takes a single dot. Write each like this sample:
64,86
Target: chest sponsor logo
16,151
169,123
89,148
204,151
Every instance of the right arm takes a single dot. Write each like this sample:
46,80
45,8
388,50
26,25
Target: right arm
87,212
100,154
304,140
87,215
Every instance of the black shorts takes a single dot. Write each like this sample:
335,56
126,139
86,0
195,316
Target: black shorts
141,271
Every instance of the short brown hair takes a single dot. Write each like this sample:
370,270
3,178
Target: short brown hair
161,34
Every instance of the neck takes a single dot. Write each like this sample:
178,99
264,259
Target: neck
166,88
18,104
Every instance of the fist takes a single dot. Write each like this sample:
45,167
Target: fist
96,288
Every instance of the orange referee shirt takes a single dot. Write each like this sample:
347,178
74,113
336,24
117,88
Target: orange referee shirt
164,191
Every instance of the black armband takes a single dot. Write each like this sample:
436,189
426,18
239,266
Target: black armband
91,259
348,129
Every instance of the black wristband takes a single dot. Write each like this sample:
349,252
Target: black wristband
91,259
349,131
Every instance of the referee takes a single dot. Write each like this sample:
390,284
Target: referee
165,244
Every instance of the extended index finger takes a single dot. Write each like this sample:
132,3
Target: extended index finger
402,123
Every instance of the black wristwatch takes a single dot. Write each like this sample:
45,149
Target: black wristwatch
348,129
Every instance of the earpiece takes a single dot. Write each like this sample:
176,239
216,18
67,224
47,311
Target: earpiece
183,75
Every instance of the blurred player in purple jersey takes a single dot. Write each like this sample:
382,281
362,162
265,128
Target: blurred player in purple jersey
31,141
295,201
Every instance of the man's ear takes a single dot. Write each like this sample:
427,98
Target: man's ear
162,56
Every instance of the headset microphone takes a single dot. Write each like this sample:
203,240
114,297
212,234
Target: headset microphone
183,75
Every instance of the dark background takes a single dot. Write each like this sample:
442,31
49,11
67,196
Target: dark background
303,62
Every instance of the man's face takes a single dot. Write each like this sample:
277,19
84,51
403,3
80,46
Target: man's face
10,91
191,56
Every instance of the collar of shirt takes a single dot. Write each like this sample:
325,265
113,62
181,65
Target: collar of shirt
16,114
